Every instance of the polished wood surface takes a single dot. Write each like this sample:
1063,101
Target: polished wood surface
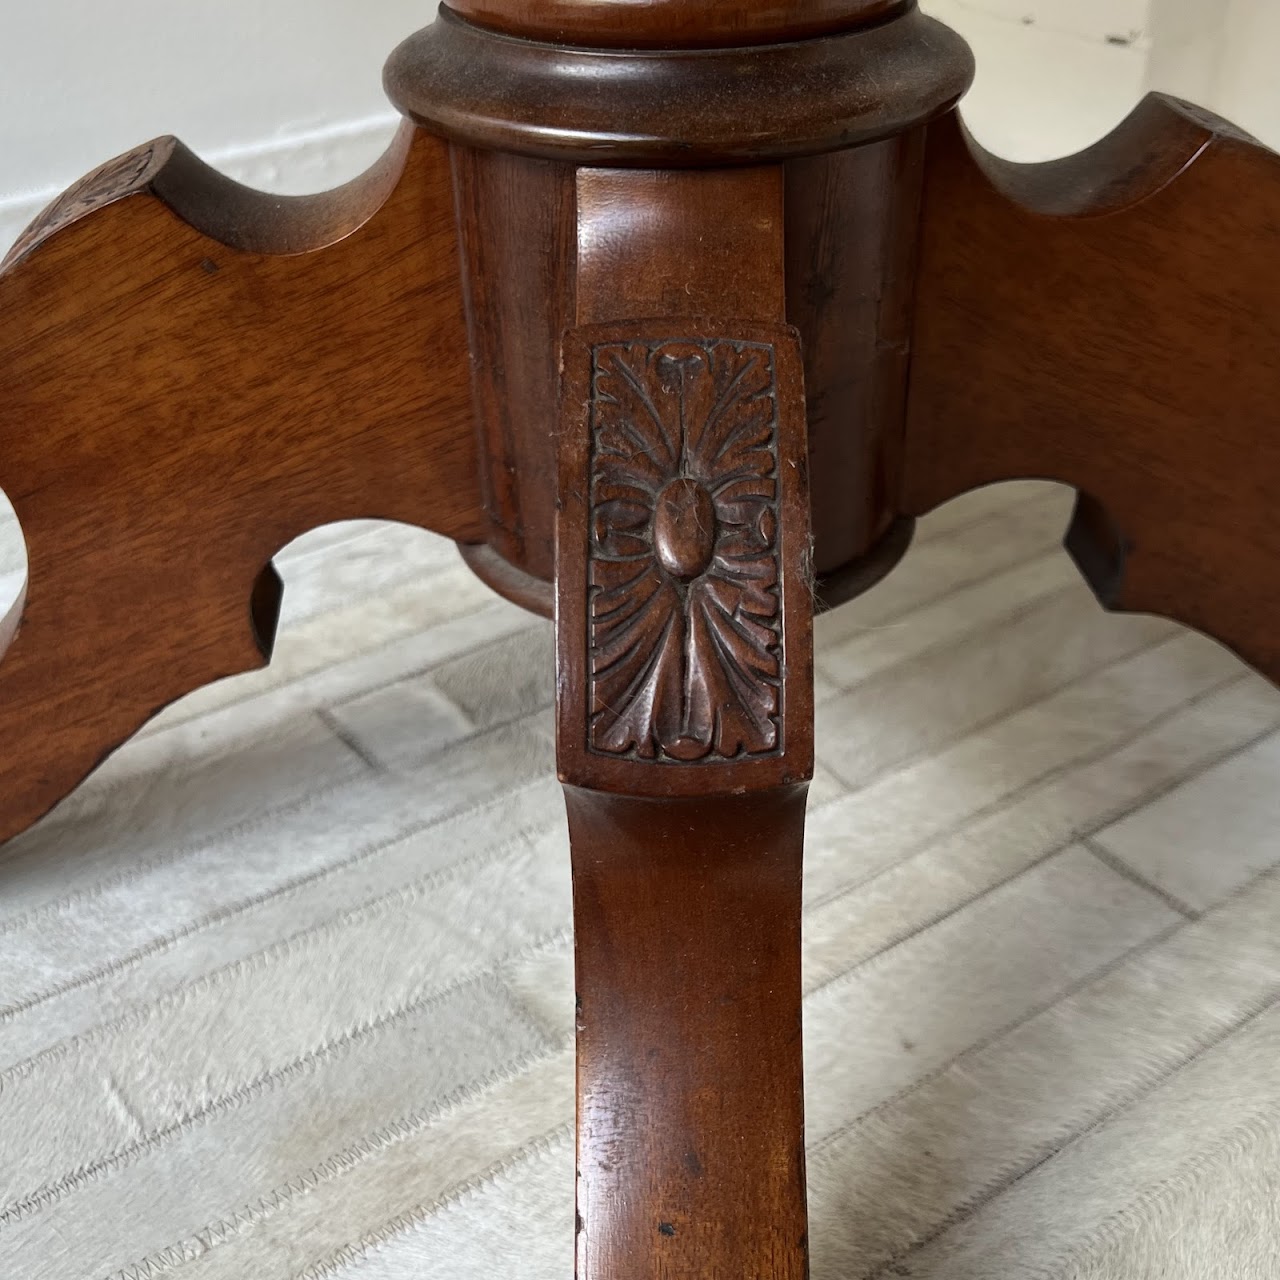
673,313
1111,321
683,580
516,227
192,375
690,1087
852,235
684,683
669,243
673,108
685,740
669,24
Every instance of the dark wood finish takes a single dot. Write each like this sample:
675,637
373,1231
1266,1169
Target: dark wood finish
685,704
852,234
538,595
672,243
684,597
690,1084
839,586
192,375
516,224
1111,321
685,725
667,24
538,245
675,108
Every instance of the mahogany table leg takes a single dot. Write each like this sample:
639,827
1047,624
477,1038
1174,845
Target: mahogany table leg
191,375
685,743
690,1083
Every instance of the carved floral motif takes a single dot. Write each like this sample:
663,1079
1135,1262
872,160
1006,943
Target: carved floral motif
116,178
684,617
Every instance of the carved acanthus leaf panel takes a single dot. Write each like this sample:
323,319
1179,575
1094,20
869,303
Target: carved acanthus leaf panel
684,602
684,613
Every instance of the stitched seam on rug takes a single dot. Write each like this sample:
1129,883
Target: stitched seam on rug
456,1195
100,797
319,621
315,934
818,1150
1037,499
880,957
531,716
364,591
401,1130
1113,1228
352,742
284,891
297,683
175,853
1144,1087
1030,599
958,587
1057,773
377,686
1145,1090
882,952
225,835
1121,868
986,726
1000,717
247,1092
1080,837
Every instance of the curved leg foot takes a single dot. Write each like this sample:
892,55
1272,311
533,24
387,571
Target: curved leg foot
1112,321
191,375
685,744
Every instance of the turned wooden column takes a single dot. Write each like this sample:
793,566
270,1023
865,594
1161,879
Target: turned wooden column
688,237
834,92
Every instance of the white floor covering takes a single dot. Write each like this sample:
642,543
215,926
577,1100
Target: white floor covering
286,991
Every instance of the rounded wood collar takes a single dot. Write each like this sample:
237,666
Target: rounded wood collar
678,108
675,24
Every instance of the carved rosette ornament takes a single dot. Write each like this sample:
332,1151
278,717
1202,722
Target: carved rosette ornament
683,591
683,576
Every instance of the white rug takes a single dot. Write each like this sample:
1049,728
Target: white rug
285,990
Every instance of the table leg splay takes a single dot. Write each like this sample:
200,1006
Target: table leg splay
676,314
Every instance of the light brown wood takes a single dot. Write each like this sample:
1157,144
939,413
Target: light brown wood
192,375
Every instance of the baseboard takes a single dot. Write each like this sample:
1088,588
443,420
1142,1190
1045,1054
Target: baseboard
294,164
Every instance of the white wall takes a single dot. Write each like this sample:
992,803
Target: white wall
286,94
1053,75
1247,85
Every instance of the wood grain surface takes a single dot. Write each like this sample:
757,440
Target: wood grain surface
1111,322
192,375
685,725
